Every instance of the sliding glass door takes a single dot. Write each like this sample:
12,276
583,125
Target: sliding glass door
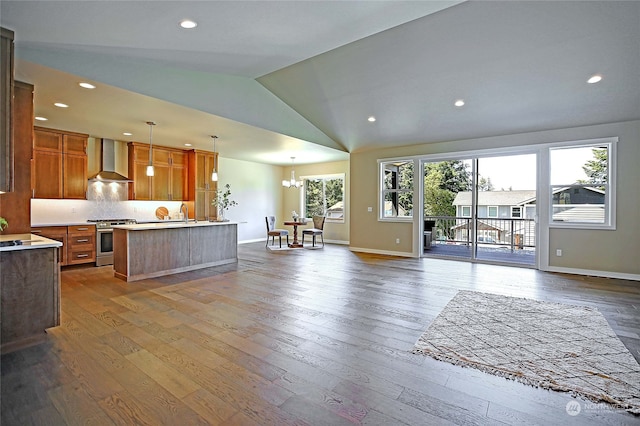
481,209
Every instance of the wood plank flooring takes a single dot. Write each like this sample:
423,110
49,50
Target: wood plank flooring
304,337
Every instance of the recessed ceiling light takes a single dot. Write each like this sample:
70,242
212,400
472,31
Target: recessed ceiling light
371,119
459,103
188,24
128,134
86,85
41,118
187,144
61,105
594,79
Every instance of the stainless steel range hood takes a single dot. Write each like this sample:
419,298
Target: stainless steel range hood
107,171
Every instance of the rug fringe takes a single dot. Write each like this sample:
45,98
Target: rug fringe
526,380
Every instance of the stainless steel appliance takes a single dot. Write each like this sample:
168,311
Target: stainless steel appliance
104,239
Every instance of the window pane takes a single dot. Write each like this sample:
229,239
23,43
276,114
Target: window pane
398,175
584,164
334,198
313,197
492,211
577,204
324,197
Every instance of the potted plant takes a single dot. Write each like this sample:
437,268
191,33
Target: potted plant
222,201
3,224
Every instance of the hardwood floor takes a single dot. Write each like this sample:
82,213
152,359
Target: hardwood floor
318,337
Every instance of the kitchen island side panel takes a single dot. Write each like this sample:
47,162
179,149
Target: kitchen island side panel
214,244
30,299
120,251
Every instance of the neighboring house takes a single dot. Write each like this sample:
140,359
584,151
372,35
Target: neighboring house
336,211
506,216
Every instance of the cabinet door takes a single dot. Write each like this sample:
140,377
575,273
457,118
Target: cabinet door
47,140
74,144
141,186
47,174
58,233
178,183
160,182
75,176
200,172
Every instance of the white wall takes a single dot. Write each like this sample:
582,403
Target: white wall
257,190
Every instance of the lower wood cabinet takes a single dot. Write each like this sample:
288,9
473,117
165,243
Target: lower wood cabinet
78,242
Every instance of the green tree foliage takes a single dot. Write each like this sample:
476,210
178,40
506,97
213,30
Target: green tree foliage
596,169
484,184
442,181
321,194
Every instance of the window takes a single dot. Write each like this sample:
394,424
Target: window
492,211
397,189
324,196
516,211
466,211
581,189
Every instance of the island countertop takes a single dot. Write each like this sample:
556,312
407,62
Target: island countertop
170,225
26,242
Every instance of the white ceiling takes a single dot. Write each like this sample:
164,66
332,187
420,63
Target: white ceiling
280,79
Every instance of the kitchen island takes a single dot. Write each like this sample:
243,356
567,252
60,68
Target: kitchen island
151,250
29,289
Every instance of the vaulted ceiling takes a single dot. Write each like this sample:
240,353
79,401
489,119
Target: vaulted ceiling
278,79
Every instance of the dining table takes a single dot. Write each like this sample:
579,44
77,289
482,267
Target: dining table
295,224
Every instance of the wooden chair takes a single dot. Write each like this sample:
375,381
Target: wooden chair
273,232
318,225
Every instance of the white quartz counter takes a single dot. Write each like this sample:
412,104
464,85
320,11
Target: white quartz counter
27,242
170,224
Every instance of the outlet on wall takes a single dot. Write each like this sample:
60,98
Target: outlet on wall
369,209
559,252
397,240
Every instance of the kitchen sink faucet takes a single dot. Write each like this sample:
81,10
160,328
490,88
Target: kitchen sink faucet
186,213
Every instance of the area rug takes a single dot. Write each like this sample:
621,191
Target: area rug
550,345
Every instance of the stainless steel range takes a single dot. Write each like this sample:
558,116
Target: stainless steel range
104,238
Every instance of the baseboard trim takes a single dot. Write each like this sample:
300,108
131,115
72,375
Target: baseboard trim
605,274
385,252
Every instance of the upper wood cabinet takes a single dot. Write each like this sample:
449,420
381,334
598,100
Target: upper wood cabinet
59,164
169,181
202,189
6,114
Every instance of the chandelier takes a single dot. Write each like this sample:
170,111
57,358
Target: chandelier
292,183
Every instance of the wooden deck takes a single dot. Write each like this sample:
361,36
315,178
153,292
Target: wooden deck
499,254
318,337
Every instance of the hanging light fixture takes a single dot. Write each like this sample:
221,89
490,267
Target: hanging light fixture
292,183
214,175
150,171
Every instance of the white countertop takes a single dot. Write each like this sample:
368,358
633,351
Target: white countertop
170,224
28,242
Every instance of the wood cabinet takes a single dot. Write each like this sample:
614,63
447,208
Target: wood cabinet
58,233
6,115
59,164
202,190
82,244
78,242
169,181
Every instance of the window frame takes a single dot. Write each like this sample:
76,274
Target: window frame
323,177
610,186
489,212
382,191
462,209
520,209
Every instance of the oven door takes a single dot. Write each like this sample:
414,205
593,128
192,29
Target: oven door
104,247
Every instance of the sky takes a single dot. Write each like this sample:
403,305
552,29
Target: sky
519,171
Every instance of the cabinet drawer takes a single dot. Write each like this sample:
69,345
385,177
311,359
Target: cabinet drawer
82,240
80,256
52,232
82,229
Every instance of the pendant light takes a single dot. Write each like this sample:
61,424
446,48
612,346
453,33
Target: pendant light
292,183
214,175
150,171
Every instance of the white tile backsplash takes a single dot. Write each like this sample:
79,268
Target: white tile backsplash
61,212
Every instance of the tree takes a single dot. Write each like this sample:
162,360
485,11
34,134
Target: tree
596,169
484,184
442,181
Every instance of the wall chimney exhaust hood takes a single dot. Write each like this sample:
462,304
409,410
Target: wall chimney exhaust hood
107,171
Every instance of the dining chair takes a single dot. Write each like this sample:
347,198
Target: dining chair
273,232
318,225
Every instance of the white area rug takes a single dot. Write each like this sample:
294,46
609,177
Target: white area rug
551,345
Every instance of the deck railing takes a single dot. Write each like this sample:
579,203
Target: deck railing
513,233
